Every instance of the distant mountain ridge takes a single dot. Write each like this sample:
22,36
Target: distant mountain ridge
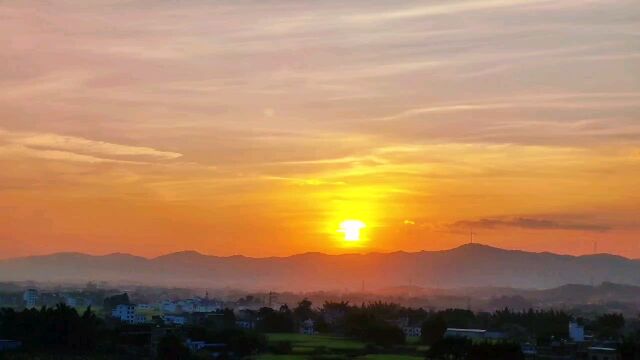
471,265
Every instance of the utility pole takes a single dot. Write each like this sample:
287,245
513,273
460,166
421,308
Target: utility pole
272,296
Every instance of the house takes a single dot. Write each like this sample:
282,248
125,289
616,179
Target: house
602,353
70,300
412,331
140,319
307,327
475,334
472,334
125,313
529,350
30,298
196,305
174,319
128,313
213,350
168,307
246,319
576,332
8,345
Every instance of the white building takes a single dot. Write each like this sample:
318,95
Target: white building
413,331
174,320
168,307
307,327
465,333
71,301
140,319
197,305
474,334
576,332
30,298
125,313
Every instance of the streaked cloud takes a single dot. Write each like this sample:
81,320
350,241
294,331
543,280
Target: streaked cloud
529,223
59,147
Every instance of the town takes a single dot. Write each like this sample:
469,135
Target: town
95,322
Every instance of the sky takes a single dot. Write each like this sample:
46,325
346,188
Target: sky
256,127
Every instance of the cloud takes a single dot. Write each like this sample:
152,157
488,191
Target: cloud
447,8
72,148
529,223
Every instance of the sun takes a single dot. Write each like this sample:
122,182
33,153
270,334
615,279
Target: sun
351,229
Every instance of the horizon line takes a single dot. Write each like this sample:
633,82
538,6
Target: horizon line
476,244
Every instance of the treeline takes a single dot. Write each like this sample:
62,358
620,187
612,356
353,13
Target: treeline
60,329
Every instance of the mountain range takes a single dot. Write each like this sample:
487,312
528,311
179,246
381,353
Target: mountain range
471,265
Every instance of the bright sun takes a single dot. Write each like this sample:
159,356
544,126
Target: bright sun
351,229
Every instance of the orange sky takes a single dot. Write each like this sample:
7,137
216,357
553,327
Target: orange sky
255,128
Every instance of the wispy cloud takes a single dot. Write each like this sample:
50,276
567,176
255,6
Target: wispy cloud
529,223
448,8
72,148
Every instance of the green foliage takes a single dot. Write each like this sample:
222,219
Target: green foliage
238,341
544,324
433,329
171,347
304,311
608,326
111,302
60,329
275,321
367,326
281,347
465,349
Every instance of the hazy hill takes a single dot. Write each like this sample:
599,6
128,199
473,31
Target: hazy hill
470,265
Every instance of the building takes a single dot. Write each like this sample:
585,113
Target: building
602,353
168,307
143,307
412,331
196,305
125,313
70,301
8,345
529,350
246,319
174,319
576,332
473,334
30,298
214,350
307,327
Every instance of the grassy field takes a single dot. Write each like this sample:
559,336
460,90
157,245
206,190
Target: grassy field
389,357
332,347
308,343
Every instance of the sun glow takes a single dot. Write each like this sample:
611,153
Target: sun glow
351,229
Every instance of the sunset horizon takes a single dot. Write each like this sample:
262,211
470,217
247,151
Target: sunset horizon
273,129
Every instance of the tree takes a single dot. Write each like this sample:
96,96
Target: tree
303,311
275,321
433,329
367,327
59,329
171,348
111,302
608,326
453,348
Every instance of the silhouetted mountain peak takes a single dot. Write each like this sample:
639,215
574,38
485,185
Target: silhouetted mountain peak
469,265
186,254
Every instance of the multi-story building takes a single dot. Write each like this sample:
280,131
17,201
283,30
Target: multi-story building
125,313
30,298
